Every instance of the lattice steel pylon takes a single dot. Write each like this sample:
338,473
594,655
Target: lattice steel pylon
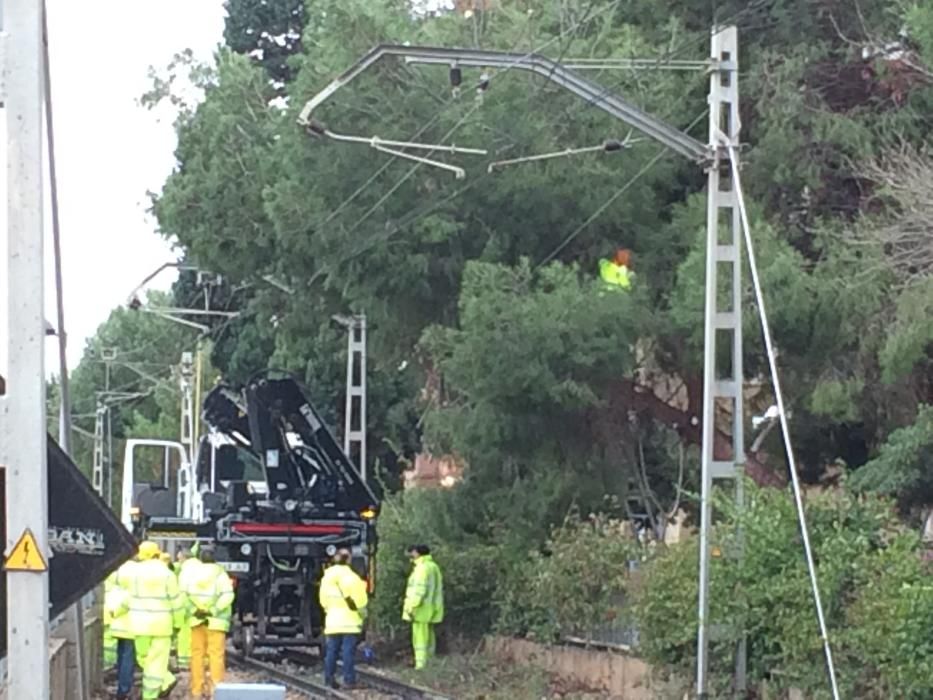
722,371
354,429
97,471
187,403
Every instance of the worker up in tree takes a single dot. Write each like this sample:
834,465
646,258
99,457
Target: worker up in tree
343,599
424,603
185,565
155,611
117,620
208,594
617,273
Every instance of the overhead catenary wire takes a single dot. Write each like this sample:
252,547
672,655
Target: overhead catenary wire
782,414
413,169
626,186
488,80
678,50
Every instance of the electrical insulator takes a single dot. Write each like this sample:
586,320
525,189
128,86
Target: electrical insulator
317,128
483,83
612,145
456,76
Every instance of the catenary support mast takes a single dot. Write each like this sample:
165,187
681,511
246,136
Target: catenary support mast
722,371
23,417
354,431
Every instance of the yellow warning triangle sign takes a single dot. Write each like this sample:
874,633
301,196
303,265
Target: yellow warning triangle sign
25,555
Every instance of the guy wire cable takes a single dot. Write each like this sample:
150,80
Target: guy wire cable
782,413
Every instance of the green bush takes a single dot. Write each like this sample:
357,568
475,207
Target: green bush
470,567
576,582
865,562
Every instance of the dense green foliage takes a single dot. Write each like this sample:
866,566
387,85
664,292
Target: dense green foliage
490,339
590,572
441,268
268,31
873,589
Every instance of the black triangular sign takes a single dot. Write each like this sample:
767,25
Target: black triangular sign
86,538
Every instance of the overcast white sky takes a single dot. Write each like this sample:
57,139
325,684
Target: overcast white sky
109,150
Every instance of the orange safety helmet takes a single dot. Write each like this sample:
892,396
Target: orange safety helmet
623,256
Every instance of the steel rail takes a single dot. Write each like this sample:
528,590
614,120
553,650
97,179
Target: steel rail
387,684
302,684
376,680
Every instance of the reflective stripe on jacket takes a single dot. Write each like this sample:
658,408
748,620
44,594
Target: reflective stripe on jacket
154,606
339,583
117,602
207,588
424,594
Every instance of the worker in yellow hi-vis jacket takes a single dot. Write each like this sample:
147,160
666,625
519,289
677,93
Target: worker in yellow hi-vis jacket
208,594
617,274
117,617
424,603
154,612
343,599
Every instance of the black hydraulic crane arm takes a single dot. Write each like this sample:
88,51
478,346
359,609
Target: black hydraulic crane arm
301,459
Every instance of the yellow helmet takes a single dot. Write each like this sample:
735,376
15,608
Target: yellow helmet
148,550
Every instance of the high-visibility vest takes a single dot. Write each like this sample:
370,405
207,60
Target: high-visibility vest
614,275
155,605
117,601
339,583
207,588
424,594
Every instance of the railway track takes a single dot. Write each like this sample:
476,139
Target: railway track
301,682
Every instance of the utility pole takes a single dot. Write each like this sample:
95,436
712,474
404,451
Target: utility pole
187,411
722,384
108,356
74,616
97,461
23,407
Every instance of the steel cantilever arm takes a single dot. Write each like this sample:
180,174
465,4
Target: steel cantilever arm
585,88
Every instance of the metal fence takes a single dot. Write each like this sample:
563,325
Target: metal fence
621,632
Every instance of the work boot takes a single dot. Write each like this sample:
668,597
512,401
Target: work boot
168,691
332,683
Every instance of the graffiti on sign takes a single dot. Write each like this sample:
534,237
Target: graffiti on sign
75,540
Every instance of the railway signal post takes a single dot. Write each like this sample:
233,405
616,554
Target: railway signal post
22,418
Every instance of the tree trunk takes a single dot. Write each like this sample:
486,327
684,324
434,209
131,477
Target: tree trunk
625,395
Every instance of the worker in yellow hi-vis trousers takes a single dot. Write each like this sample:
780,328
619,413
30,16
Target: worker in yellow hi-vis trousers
208,594
155,611
186,563
424,603
110,642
